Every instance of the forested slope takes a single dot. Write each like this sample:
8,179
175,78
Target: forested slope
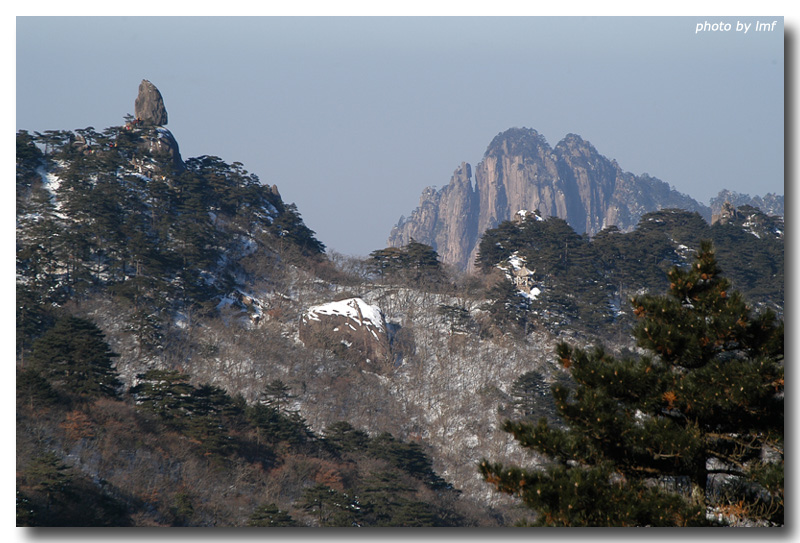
162,378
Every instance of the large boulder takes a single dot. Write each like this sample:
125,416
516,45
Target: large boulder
352,328
149,105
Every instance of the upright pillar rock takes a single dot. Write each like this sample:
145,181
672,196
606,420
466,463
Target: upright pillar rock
149,105
151,116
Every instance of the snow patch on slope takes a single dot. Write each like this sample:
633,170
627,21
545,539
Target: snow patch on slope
352,308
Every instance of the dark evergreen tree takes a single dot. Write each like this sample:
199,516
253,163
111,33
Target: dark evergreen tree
706,408
277,394
408,457
274,426
76,202
416,263
415,514
565,265
529,393
29,158
40,250
509,308
33,319
331,507
269,516
166,393
389,499
33,390
346,438
424,261
48,475
288,226
74,356
209,421
194,239
387,261
498,244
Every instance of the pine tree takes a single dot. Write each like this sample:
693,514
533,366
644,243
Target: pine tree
277,394
331,507
416,263
424,262
345,437
509,308
703,415
33,390
529,395
408,457
39,247
499,243
74,356
166,393
48,475
207,424
288,226
268,515
33,319
278,426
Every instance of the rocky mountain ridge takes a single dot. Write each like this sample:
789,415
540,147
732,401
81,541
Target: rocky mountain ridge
520,171
770,203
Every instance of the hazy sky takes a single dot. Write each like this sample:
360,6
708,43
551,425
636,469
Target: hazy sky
352,117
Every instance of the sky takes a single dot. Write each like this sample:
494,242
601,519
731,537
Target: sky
352,117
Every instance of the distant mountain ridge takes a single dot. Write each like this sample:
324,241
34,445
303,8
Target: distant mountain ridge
520,171
771,204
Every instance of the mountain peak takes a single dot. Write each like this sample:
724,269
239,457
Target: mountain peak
574,140
520,170
517,141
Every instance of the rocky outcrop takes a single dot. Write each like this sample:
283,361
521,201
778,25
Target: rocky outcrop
151,116
352,328
521,171
149,105
770,203
444,218
751,220
164,142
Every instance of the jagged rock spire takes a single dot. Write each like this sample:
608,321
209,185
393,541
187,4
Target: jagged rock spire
149,105
520,170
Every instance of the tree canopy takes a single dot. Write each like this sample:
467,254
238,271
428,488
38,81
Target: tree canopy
74,356
415,262
696,426
584,280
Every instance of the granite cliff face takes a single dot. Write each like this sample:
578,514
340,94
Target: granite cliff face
521,171
445,219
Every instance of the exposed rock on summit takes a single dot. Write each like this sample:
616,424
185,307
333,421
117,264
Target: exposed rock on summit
150,111
521,171
149,105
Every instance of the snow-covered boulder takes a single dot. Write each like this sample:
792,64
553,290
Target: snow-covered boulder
352,328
